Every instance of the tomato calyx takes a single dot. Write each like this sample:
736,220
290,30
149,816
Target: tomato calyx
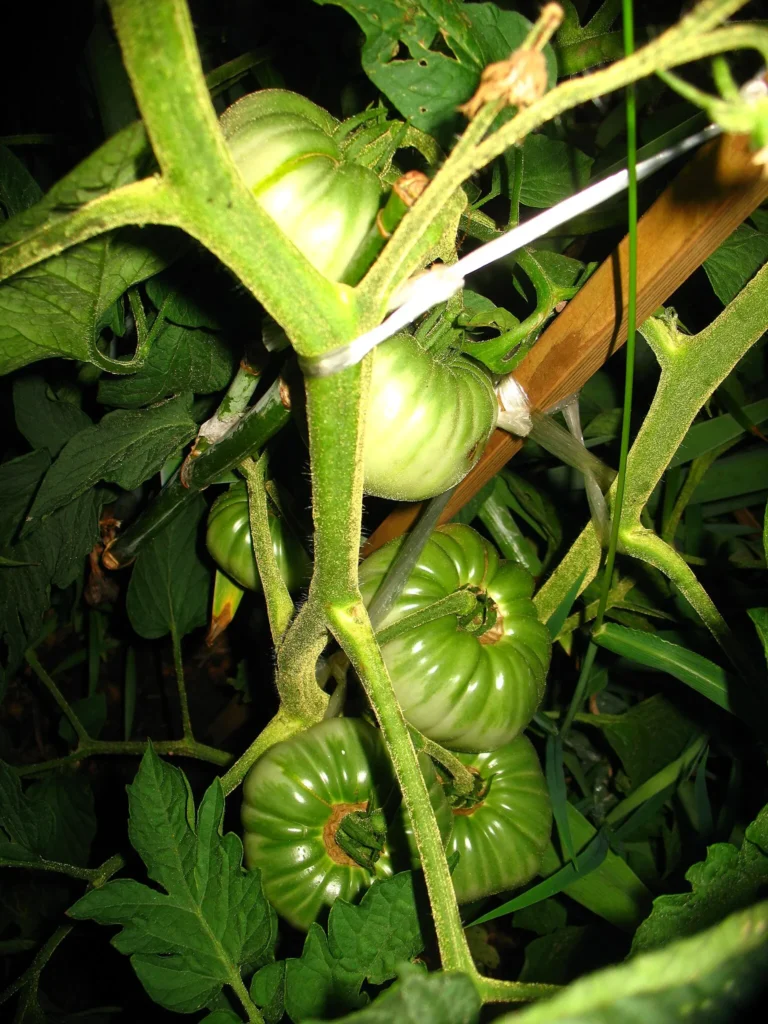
485,620
467,803
355,835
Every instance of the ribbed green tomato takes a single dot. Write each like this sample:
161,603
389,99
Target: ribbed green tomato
295,800
501,839
428,420
467,692
283,145
229,542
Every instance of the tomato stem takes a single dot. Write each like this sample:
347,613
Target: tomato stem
461,603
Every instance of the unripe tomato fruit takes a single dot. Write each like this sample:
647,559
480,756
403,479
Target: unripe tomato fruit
229,542
502,838
295,799
467,692
427,422
284,148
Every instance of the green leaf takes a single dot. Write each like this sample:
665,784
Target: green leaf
647,736
317,984
212,919
379,932
556,620
59,307
125,448
18,189
168,592
223,1017
542,918
612,890
424,84
92,712
184,303
44,420
760,618
180,360
365,942
705,978
696,671
69,799
268,991
705,437
734,476
562,955
121,160
552,171
419,998
735,261
728,880
25,823
52,553
19,479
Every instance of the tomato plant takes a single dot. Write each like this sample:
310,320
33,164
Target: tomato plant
296,800
470,684
207,218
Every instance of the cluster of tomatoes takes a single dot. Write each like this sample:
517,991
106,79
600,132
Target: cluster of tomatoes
322,812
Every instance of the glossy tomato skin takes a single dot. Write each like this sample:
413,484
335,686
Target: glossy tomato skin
229,542
428,420
284,148
465,692
502,839
295,795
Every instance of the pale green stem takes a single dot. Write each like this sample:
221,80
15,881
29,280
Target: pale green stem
280,608
178,666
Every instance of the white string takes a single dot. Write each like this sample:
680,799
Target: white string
421,293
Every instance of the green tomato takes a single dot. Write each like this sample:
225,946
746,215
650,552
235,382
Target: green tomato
284,147
297,800
502,838
428,420
229,542
466,687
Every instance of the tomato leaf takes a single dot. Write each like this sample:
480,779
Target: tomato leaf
759,617
211,920
18,189
125,448
44,420
268,991
647,736
427,84
168,592
727,880
703,978
317,984
735,261
419,998
180,360
365,942
553,170
378,933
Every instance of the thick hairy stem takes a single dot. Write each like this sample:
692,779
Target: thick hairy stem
142,202
279,604
353,630
692,367
281,727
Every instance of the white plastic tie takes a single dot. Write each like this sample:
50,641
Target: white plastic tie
515,409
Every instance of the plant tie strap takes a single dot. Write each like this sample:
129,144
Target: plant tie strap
441,281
